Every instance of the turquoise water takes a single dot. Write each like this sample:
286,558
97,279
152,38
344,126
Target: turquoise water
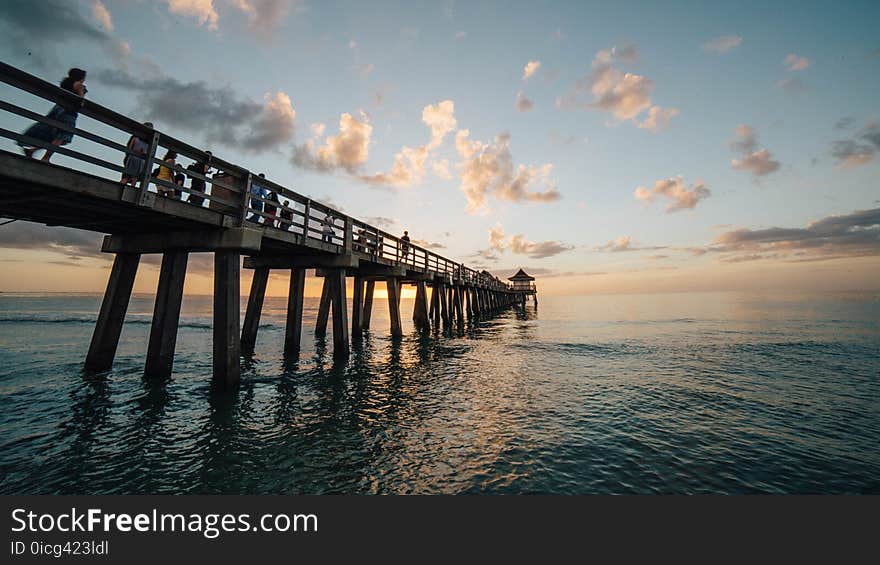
674,393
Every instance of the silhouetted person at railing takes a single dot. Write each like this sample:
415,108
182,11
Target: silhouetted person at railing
74,82
363,242
259,191
327,232
404,245
286,216
201,167
167,174
272,211
136,161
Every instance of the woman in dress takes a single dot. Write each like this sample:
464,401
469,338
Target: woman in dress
65,113
136,160
166,174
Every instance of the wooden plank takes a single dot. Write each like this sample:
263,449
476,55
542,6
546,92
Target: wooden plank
393,287
254,309
105,339
166,315
227,344
340,313
323,309
295,299
368,304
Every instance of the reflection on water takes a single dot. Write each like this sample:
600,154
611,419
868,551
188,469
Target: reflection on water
672,393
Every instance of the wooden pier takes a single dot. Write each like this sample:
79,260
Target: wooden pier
229,219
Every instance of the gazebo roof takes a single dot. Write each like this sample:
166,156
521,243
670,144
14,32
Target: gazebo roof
521,276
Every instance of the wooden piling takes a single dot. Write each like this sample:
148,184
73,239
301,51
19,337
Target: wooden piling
323,308
295,299
393,286
368,304
166,315
459,311
254,309
420,311
357,308
227,315
444,303
467,300
340,312
108,328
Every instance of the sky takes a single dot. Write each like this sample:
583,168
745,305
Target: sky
603,147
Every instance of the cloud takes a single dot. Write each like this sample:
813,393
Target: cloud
844,123
723,44
428,245
347,150
523,104
757,161
410,162
850,235
102,15
792,85
37,27
860,150
624,95
622,243
520,245
217,112
496,237
408,169
488,169
530,69
460,34
265,16
440,168
440,118
68,241
673,189
796,63
381,221
202,10
625,243
658,118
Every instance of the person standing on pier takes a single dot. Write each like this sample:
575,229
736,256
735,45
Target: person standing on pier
257,204
404,245
166,173
200,167
327,229
65,113
135,161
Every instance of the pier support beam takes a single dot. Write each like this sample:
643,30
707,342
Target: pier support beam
323,309
166,314
368,304
105,340
357,308
459,311
444,303
434,314
295,298
393,286
468,306
340,311
254,309
227,316
420,311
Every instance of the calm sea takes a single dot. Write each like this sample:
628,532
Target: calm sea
673,393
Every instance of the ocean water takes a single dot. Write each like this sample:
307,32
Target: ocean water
673,393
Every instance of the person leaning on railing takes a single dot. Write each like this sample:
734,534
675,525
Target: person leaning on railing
166,173
64,112
135,161
256,204
200,167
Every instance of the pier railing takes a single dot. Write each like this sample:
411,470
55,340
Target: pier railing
232,190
